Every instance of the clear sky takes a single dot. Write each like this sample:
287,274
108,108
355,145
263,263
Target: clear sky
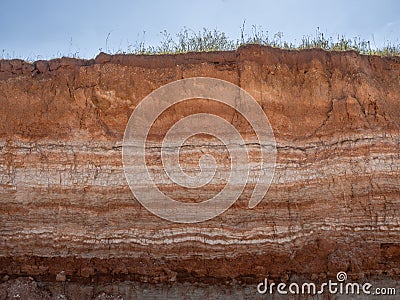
40,29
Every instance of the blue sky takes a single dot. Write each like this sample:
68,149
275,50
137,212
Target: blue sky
48,28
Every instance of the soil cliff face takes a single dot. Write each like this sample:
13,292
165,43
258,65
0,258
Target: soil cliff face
333,205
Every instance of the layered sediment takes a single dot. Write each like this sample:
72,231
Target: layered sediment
333,204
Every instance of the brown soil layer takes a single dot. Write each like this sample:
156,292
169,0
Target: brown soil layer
333,205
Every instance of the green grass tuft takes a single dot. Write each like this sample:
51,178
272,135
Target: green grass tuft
215,40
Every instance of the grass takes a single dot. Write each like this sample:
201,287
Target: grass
206,40
188,40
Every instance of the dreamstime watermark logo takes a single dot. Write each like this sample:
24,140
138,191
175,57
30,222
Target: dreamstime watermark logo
339,287
138,174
